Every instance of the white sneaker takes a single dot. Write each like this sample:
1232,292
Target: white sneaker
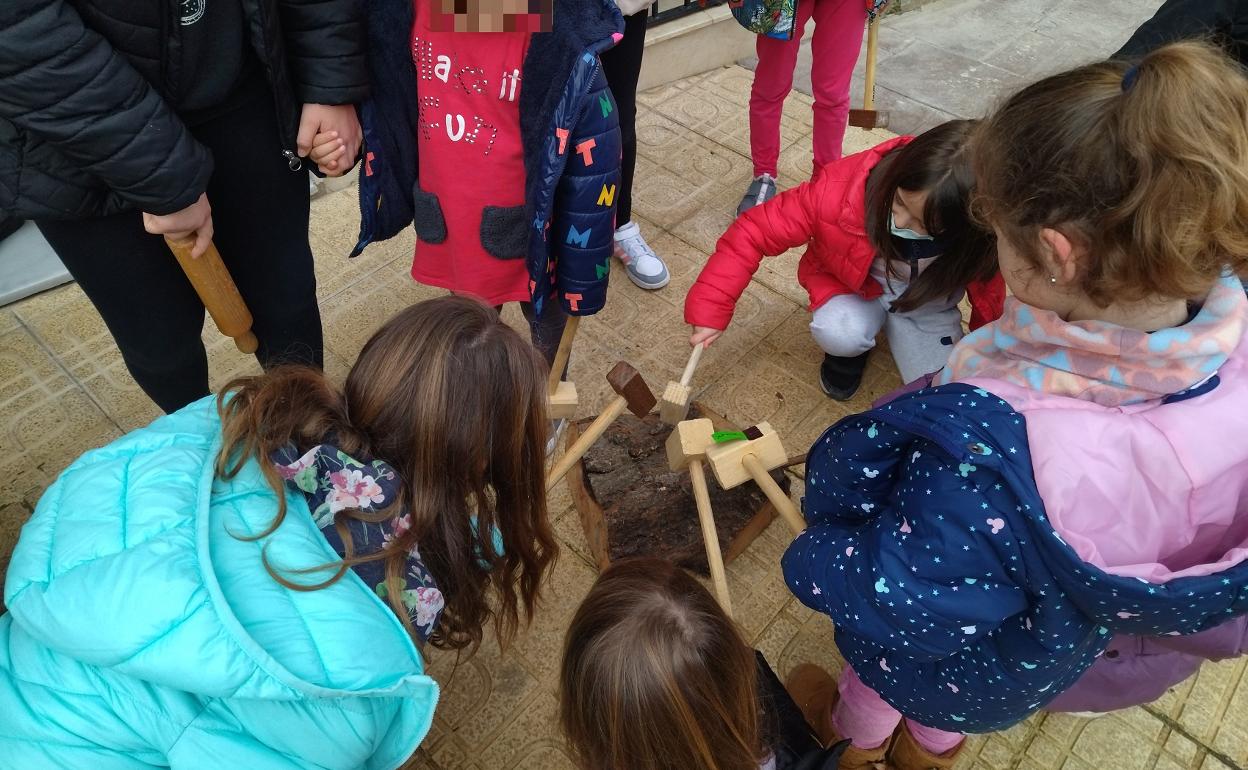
643,266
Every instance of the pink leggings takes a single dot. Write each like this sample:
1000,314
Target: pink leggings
839,25
862,716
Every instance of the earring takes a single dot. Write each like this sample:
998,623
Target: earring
1053,279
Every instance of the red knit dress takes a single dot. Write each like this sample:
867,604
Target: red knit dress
470,152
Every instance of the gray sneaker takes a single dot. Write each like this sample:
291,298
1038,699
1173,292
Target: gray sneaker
761,190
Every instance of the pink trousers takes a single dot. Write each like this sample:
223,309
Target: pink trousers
839,26
862,716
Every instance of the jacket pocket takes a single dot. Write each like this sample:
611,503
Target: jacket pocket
503,232
427,216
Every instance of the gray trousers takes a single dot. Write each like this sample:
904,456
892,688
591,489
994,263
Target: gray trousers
921,340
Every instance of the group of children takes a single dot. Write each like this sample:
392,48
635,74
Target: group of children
1052,515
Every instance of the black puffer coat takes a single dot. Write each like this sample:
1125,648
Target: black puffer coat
85,123
1224,21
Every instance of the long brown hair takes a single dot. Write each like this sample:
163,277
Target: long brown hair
936,162
455,401
1145,166
655,676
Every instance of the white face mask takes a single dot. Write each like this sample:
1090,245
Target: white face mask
905,233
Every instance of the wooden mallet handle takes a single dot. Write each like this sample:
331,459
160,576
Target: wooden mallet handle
873,48
783,505
694,358
592,433
217,291
706,518
561,355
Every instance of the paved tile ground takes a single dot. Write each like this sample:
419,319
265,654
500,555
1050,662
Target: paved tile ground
63,389
955,58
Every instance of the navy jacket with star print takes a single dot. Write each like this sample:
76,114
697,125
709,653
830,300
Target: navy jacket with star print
952,595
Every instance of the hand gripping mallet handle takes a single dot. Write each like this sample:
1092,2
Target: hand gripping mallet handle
216,289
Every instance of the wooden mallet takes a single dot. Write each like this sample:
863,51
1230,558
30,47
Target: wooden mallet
675,404
216,289
753,457
686,448
868,117
633,395
563,397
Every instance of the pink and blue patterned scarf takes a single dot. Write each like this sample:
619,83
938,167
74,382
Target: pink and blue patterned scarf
1100,362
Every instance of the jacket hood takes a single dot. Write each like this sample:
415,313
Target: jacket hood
1196,574
1153,495
133,561
853,176
1182,544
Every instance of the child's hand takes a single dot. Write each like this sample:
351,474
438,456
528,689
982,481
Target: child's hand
318,121
704,335
329,153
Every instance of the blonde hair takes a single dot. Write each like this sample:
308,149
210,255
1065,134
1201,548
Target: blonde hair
1145,165
656,676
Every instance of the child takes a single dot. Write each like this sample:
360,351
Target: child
622,67
656,676
890,245
244,579
502,148
835,46
124,120
1059,517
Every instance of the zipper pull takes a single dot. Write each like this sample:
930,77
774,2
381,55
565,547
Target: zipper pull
293,161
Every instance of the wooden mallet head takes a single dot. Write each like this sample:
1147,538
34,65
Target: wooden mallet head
629,384
727,460
634,395
675,404
689,441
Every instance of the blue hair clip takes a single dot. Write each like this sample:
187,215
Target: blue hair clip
1129,77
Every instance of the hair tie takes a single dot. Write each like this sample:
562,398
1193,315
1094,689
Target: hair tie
1129,77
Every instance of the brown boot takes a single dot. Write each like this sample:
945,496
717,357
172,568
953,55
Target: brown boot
907,754
814,691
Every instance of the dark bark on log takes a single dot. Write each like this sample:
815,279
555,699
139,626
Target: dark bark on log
632,505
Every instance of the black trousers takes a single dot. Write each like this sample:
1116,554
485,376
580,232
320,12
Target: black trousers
622,67
545,331
260,219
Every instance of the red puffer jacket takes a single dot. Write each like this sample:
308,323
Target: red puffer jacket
829,214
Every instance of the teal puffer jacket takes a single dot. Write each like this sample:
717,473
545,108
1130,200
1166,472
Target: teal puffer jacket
142,632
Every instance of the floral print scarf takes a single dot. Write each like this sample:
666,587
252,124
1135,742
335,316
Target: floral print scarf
1100,362
333,481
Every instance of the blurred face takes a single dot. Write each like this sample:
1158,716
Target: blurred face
908,208
494,15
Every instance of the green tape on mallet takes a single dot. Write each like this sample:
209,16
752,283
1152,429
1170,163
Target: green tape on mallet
728,436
